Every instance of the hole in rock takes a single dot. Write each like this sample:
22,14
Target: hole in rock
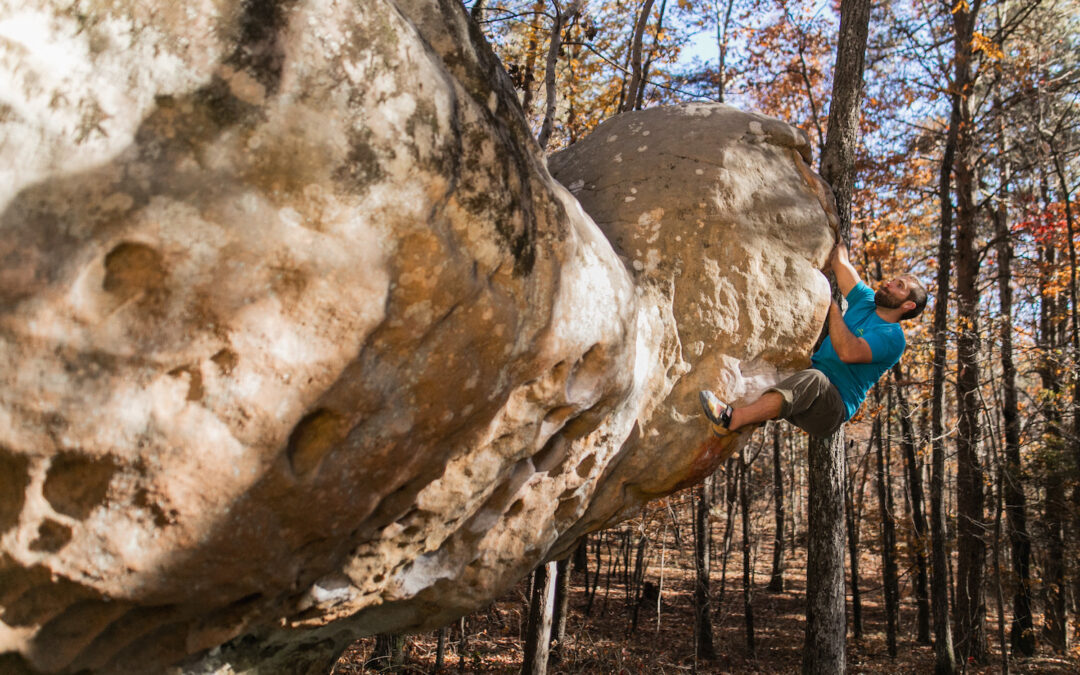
551,456
314,436
586,465
567,508
589,370
515,508
52,536
76,484
14,477
132,267
558,415
226,360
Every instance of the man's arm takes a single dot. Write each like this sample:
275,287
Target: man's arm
849,348
846,276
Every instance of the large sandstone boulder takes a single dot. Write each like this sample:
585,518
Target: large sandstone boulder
300,341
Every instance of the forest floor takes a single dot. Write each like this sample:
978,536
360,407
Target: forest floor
603,640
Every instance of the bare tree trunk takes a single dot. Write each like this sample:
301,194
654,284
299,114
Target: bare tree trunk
826,628
389,656
945,655
440,649
888,542
1055,624
1074,313
747,584
463,643
528,76
915,503
639,101
640,568
853,552
702,544
776,582
731,488
721,43
998,510
970,516
538,632
554,43
1021,634
562,607
630,101
581,556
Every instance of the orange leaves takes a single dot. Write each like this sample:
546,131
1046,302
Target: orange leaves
981,43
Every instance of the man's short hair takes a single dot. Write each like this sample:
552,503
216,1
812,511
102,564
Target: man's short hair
918,295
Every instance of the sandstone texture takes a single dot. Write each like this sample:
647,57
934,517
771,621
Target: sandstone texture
300,340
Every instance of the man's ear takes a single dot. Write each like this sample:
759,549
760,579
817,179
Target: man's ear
908,306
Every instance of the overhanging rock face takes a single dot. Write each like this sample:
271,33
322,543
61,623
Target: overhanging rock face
300,341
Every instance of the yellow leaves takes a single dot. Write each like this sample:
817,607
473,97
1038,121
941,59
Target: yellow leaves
961,6
981,43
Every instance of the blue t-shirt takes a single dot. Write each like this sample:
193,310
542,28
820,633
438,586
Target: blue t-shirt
886,340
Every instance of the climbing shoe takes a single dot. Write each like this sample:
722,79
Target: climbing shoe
718,412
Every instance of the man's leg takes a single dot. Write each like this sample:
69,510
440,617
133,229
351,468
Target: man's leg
729,418
806,398
765,408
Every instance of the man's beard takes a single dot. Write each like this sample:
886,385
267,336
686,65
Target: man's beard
882,299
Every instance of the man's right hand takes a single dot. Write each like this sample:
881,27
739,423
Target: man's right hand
846,276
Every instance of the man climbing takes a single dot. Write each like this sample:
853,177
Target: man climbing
863,343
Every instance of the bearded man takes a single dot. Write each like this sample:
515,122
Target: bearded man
863,343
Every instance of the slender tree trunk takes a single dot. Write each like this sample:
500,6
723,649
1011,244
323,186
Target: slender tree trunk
853,557
776,582
970,516
890,588
554,42
572,126
463,643
826,629
440,649
722,26
729,528
945,658
638,582
639,101
581,557
702,545
999,508
532,50
915,503
389,654
748,591
1074,313
1055,624
630,100
795,484
1021,633
538,631
561,609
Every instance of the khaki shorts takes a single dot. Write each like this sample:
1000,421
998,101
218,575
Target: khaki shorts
811,403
